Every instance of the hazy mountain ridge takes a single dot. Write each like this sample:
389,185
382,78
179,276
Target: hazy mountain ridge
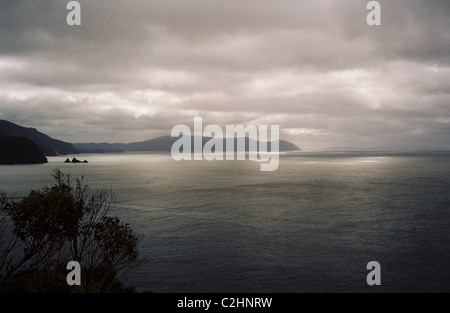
164,144
51,146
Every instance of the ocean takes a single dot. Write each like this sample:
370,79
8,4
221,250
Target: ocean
311,226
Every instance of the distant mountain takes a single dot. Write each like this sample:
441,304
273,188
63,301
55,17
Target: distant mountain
343,149
164,144
98,147
20,150
47,144
288,146
100,151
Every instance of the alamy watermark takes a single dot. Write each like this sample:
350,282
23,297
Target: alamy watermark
374,276
74,276
234,138
74,16
374,16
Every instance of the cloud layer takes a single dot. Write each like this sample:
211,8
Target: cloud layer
134,69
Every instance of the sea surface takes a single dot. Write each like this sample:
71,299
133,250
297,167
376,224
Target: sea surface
311,226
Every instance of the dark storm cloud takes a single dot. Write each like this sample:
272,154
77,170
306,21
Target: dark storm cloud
134,69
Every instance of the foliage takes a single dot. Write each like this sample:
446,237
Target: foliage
66,222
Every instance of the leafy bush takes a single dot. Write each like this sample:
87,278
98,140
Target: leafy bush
66,222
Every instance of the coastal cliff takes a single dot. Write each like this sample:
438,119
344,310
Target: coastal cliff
20,150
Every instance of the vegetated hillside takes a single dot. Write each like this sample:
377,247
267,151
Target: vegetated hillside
20,150
48,145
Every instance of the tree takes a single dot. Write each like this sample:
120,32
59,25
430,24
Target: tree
8,242
62,223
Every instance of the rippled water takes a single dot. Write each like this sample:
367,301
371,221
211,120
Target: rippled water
311,226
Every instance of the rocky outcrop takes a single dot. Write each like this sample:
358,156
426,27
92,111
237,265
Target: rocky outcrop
75,160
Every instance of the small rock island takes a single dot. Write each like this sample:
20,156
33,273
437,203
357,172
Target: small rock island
75,160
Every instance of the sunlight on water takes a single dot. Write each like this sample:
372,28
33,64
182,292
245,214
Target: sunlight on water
312,225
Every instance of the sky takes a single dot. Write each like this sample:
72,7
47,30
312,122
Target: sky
134,69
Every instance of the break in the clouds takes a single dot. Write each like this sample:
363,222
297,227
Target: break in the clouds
134,69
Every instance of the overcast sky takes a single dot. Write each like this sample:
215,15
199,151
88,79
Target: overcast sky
134,69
